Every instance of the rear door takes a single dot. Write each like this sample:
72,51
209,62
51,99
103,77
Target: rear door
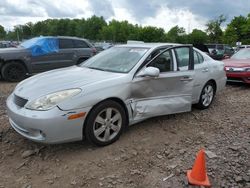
62,58
82,50
201,75
169,93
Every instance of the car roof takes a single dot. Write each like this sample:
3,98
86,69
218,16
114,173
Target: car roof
70,37
148,45
62,37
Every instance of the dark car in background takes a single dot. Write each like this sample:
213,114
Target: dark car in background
42,54
102,46
220,51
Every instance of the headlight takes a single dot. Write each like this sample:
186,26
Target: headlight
49,101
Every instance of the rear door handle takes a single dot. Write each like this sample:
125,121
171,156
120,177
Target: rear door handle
205,70
186,79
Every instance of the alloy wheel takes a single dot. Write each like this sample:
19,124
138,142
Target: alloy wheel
107,124
207,95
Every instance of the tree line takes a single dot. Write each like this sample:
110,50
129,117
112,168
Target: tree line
97,29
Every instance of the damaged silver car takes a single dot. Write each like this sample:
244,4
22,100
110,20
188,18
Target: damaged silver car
118,87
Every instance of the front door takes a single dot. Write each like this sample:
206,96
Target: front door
169,93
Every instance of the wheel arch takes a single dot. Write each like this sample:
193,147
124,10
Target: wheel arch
213,82
15,60
115,99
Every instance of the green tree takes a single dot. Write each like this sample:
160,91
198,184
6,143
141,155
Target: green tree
119,31
2,32
214,30
151,34
93,26
238,30
79,28
198,37
176,34
246,31
27,30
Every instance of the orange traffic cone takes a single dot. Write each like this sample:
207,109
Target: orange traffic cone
198,175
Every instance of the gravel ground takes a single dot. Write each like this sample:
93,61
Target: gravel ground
154,153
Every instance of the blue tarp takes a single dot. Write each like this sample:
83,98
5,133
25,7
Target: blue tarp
41,45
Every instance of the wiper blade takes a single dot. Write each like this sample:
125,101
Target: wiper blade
96,68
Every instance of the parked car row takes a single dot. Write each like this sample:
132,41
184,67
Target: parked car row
42,54
8,44
98,97
220,51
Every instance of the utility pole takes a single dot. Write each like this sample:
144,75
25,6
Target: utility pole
17,33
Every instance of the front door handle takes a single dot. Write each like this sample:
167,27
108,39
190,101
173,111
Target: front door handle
205,70
186,78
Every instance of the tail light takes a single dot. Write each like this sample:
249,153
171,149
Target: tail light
94,51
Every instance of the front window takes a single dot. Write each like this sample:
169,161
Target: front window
116,59
80,44
182,56
163,62
242,54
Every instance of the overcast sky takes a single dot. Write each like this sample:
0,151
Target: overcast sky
189,14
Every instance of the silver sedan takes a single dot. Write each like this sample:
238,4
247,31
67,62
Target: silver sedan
118,87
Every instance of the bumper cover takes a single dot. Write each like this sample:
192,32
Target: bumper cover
48,127
239,77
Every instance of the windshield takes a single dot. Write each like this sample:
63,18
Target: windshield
116,59
242,54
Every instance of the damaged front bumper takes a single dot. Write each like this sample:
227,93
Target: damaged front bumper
52,126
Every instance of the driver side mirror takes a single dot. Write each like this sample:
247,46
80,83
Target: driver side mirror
149,71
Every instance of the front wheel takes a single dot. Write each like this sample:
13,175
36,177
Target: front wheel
207,96
105,123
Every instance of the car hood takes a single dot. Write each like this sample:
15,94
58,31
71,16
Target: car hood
61,79
237,62
12,50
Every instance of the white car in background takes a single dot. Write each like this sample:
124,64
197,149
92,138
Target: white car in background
118,87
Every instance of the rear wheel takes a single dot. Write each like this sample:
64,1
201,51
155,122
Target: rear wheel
105,123
207,96
13,71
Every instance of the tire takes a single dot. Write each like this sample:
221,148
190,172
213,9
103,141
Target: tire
13,71
81,60
207,96
101,129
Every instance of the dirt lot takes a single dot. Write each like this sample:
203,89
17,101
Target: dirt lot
154,153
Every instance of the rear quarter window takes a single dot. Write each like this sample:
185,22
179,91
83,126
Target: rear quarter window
80,44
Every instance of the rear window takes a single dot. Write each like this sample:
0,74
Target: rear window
80,44
66,43
198,58
182,56
210,45
220,47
